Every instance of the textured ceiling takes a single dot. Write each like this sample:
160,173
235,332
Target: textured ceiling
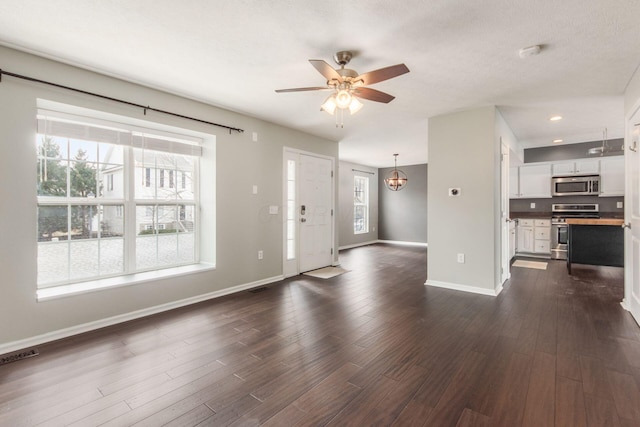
462,54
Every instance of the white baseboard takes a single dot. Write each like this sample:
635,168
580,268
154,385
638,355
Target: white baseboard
372,242
86,327
398,242
464,288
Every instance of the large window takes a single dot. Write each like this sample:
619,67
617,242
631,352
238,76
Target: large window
108,203
360,204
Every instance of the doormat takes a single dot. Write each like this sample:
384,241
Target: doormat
530,264
326,272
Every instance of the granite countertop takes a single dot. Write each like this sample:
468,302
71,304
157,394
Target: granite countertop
595,221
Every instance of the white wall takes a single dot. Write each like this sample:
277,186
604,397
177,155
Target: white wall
464,153
516,151
243,223
345,212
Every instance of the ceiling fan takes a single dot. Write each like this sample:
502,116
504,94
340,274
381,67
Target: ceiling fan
347,85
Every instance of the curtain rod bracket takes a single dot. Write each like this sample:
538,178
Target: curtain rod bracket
109,98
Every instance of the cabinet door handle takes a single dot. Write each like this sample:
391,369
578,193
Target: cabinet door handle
626,225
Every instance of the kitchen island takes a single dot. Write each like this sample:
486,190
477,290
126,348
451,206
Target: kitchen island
595,241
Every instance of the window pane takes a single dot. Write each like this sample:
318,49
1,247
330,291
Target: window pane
291,170
84,178
83,150
146,251
145,174
186,247
111,153
112,221
145,219
291,249
185,170
52,223
52,177
111,256
84,259
84,222
52,147
359,219
53,262
111,181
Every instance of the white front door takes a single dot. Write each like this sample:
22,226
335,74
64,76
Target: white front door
632,217
504,214
315,212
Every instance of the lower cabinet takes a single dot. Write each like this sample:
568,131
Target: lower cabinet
534,237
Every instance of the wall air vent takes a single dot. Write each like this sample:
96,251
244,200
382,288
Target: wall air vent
14,357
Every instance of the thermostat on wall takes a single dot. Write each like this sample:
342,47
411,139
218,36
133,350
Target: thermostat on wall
454,192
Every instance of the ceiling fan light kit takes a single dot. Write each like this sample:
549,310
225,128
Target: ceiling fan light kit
347,84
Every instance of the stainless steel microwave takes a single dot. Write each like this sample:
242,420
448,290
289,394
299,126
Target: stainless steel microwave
575,185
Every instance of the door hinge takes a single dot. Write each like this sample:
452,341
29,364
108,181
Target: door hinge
331,212
331,174
331,251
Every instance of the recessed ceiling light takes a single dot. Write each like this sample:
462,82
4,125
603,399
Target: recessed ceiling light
555,118
556,141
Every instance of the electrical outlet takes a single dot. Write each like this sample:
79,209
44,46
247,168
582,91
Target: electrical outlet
460,258
619,205
533,205
260,255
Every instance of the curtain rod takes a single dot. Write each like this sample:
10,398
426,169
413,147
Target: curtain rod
133,104
357,170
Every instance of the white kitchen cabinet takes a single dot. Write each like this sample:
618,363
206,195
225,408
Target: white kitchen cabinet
576,167
525,235
542,236
534,181
612,176
534,236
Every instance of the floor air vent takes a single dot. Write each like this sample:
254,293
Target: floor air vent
14,357
258,290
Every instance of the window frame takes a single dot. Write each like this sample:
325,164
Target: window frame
125,206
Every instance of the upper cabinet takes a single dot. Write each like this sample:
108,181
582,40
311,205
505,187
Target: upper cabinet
533,182
612,176
577,167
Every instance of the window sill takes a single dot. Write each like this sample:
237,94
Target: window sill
54,292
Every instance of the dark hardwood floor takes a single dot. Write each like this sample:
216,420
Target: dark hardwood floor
373,346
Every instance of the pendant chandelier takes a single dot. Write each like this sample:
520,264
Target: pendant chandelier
396,180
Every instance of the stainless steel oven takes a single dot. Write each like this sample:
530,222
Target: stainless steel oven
559,238
559,228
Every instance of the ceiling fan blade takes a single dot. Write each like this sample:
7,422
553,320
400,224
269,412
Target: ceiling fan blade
302,89
383,74
373,95
326,70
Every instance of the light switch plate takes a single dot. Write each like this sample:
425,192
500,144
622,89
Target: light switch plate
273,210
254,136
255,189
